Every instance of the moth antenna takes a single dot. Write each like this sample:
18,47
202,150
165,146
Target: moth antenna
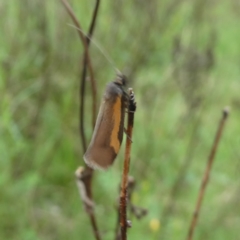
100,48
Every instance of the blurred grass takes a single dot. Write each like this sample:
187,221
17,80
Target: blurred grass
182,59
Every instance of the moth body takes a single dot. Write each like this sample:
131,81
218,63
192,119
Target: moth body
108,132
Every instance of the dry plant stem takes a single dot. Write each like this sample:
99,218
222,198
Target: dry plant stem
88,60
88,173
206,175
84,178
81,176
88,180
123,194
130,186
83,78
92,25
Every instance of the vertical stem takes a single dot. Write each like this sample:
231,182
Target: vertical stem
87,180
206,175
89,64
83,80
123,194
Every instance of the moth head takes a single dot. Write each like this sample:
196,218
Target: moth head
121,79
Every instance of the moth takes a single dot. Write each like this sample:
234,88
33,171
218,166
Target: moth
108,132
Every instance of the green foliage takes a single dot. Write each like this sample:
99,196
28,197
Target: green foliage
182,59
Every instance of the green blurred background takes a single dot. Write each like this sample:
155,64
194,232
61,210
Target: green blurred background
182,58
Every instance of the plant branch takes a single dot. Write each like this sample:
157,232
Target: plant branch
206,175
84,176
88,63
83,78
84,183
123,195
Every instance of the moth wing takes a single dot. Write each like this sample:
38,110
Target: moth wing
107,135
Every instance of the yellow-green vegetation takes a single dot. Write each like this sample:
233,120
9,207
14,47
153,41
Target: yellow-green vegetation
182,59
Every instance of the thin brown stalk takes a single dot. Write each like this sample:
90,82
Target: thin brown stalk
88,172
131,182
83,77
84,178
123,194
88,63
84,183
206,175
93,22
